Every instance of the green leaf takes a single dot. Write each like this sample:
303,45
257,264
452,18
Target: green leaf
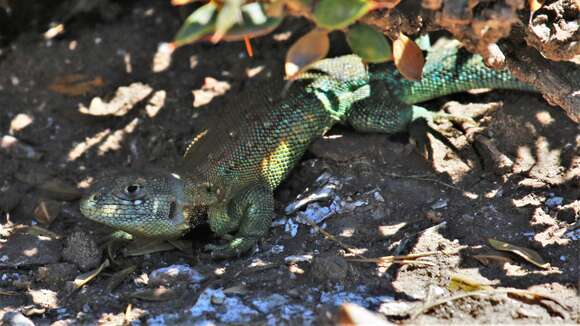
254,23
229,15
248,29
368,43
255,12
200,23
338,14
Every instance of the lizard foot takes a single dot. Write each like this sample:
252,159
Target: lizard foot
234,248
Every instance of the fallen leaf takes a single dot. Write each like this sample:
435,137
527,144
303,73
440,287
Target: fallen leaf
388,4
408,57
307,50
466,283
144,247
75,84
119,277
46,211
59,190
159,294
85,278
352,314
492,259
181,2
527,254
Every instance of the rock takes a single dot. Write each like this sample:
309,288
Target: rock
9,200
19,149
22,250
56,274
329,268
14,318
554,201
173,274
268,304
81,250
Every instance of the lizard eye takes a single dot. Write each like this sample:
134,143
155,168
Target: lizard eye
133,191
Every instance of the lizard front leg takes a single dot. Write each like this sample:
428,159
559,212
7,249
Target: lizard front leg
242,221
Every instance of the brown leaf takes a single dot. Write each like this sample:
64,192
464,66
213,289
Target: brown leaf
492,259
46,211
85,278
352,314
388,4
181,2
408,57
159,294
307,50
527,254
59,190
75,84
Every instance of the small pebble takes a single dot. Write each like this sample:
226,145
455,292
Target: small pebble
439,204
277,249
554,201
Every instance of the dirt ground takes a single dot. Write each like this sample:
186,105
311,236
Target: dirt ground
521,185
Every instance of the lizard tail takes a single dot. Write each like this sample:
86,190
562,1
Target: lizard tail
452,70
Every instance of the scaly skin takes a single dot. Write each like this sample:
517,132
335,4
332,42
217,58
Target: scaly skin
231,169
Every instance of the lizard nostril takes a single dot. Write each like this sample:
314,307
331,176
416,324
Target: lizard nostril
95,197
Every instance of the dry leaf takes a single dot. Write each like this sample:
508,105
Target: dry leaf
466,283
408,57
159,294
75,84
527,254
181,2
535,5
85,278
306,51
117,278
492,259
352,314
46,211
388,4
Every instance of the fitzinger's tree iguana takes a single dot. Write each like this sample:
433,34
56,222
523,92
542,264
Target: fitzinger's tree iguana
230,170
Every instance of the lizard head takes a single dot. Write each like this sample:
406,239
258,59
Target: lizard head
149,205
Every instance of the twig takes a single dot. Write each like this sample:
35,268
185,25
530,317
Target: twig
439,302
331,237
423,178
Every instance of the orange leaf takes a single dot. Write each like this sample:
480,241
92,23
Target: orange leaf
408,57
181,2
307,50
388,4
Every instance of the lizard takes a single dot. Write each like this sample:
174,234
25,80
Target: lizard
230,170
